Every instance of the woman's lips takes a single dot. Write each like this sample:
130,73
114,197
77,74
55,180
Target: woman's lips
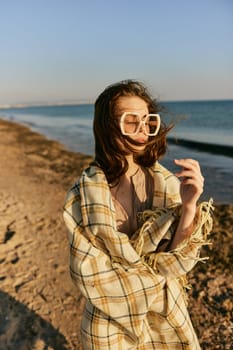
142,141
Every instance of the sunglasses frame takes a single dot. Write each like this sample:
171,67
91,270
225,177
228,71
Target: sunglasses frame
142,122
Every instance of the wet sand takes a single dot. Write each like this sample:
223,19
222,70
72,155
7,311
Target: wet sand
39,306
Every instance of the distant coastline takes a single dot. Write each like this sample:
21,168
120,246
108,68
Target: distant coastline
44,104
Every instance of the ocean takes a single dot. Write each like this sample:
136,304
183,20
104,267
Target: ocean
203,131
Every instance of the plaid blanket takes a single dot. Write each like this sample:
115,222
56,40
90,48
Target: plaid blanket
135,295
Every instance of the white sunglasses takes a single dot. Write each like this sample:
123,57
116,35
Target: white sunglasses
131,123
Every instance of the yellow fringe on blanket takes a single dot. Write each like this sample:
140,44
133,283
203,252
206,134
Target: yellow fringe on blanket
202,226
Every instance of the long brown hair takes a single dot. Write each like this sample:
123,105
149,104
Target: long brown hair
109,154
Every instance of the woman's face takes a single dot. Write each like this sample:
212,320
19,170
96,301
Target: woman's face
137,105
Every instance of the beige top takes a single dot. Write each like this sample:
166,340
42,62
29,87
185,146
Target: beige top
141,196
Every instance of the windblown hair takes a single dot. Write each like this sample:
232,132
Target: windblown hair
111,146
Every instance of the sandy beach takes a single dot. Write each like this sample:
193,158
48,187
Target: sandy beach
39,306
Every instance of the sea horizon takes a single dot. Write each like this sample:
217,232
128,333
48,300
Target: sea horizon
19,105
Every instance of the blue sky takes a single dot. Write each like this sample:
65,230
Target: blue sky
66,50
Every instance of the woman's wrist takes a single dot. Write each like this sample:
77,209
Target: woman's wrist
185,226
188,212
186,219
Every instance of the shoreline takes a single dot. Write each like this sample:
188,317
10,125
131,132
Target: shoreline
38,302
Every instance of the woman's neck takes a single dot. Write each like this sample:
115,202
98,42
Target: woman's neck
133,167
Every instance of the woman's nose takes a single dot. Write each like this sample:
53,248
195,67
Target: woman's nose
142,127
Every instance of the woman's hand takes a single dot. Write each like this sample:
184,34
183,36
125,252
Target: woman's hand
192,181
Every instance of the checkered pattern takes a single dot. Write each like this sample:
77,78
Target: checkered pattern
135,296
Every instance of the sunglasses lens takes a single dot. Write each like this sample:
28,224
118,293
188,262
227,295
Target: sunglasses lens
152,125
131,123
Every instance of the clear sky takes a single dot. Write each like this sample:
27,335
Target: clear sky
65,50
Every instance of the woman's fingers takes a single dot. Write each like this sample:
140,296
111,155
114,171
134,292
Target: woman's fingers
199,186
190,168
190,174
188,163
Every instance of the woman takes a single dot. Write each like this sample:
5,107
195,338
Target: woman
135,229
